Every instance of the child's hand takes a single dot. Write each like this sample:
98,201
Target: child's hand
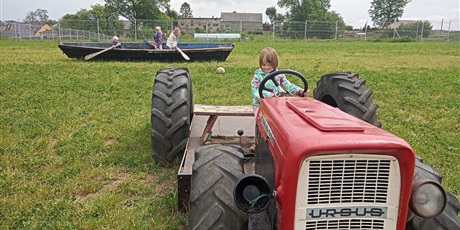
304,94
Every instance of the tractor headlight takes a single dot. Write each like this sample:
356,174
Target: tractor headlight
428,199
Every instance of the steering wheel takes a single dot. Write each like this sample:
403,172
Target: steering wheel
271,76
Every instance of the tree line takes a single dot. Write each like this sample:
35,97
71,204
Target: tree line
382,12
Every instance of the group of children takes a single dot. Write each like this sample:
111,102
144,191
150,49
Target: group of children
170,43
157,39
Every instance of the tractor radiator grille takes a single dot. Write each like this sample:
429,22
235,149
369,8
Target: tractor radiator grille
348,191
361,224
347,181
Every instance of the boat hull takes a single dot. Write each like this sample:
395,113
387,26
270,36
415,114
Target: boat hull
143,51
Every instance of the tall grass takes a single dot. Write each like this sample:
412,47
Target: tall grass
75,135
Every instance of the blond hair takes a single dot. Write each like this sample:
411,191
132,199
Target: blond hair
268,55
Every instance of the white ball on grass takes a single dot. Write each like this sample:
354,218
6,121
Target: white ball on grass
220,70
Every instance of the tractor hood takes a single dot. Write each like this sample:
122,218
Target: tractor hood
323,117
290,121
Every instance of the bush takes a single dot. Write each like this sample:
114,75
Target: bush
403,39
200,30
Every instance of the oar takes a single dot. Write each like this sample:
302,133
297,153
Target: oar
89,56
183,54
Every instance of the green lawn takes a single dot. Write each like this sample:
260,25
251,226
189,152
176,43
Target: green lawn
75,135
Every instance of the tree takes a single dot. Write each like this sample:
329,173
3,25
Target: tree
271,14
185,11
199,30
86,20
335,17
138,9
51,22
321,23
415,29
171,13
30,17
42,15
301,10
385,12
39,15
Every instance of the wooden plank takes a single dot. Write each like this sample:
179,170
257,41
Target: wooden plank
207,130
224,110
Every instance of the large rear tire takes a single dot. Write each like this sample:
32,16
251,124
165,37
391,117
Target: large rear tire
215,173
349,93
172,108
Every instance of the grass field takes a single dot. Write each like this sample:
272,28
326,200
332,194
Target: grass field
75,135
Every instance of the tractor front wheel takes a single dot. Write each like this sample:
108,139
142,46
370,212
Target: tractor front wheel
349,93
448,219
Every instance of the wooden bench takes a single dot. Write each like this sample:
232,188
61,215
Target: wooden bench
214,111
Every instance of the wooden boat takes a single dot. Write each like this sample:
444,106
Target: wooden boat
143,51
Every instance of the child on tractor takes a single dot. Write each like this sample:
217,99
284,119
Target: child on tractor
268,63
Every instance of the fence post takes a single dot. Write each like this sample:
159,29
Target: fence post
16,33
365,31
421,34
394,32
448,32
336,29
442,23
98,34
135,29
60,34
306,26
273,31
19,29
305,32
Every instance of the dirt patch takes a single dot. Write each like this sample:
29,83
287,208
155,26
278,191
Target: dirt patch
150,179
162,186
166,186
110,185
110,141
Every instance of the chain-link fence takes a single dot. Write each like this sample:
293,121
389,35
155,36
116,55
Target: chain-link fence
143,29
399,30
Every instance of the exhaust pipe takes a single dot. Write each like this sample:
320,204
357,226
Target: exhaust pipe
252,193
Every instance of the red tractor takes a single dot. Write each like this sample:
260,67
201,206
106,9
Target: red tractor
320,163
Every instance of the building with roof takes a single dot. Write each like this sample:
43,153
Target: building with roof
238,22
208,25
23,30
228,22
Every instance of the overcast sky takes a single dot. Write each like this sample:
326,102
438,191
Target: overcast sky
354,12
